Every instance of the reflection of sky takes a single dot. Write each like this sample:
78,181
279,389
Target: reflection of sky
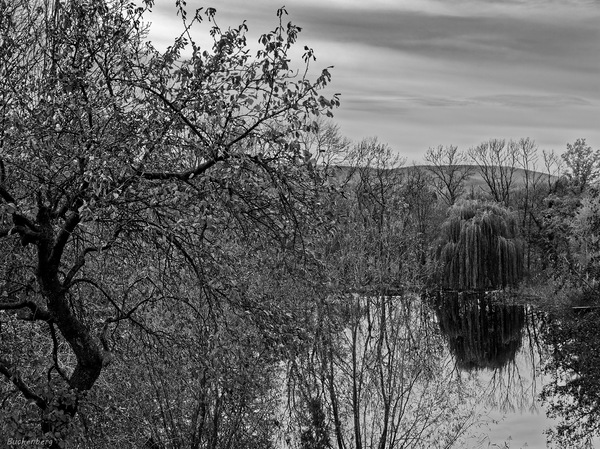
422,73
512,401
522,426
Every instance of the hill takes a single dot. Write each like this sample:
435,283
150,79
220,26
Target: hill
475,182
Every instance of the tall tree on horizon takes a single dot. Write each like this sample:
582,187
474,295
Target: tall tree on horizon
449,170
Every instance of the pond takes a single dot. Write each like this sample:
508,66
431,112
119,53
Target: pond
447,370
503,345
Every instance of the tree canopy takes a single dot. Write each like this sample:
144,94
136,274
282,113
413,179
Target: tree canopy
127,173
479,247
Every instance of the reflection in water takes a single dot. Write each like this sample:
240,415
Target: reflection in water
502,345
482,333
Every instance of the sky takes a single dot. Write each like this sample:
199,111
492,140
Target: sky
422,73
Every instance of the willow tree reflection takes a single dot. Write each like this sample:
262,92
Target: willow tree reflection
481,332
495,340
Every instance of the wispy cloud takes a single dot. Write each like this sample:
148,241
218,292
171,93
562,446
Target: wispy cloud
532,101
419,73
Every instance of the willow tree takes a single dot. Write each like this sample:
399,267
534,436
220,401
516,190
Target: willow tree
480,248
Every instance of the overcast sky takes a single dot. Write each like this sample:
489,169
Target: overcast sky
422,73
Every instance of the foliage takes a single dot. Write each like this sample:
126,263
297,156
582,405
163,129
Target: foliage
582,163
585,239
131,182
573,394
479,248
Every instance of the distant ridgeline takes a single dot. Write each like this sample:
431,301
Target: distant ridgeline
475,183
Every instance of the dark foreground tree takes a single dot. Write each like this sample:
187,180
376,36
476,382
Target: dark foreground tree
479,248
127,174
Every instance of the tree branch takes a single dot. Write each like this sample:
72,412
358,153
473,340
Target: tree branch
38,313
55,353
177,111
27,235
184,176
8,371
62,238
6,195
80,262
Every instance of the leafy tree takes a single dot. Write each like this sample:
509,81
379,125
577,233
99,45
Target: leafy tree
481,332
127,173
585,239
573,393
582,163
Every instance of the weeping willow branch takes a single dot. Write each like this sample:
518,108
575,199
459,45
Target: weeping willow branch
480,248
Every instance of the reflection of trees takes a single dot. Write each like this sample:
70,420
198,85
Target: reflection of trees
481,332
573,395
497,342
384,379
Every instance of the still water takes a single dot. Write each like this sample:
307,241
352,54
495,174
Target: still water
500,346
449,370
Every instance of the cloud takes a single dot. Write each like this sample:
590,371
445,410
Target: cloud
399,103
532,101
528,39
419,73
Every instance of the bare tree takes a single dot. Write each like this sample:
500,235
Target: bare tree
497,163
553,166
527,159
449,171
324,144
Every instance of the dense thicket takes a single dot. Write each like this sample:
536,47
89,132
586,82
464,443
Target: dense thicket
134,184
